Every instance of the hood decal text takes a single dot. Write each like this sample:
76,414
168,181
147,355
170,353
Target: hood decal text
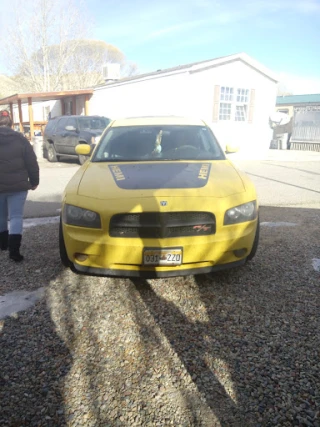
160,175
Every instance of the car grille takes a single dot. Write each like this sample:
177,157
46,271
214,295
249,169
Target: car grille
161,225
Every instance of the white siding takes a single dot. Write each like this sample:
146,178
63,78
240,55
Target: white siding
253,136
192,94
39,111
161,95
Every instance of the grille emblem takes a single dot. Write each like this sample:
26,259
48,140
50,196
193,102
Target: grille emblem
163,203
203,227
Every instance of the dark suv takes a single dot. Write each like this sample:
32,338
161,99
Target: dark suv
63,133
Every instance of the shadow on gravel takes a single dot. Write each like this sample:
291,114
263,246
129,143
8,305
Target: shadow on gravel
34,360
247,339
255,358
191,342
33,363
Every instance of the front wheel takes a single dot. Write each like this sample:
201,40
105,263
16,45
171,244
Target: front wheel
255,243
82,159
51,154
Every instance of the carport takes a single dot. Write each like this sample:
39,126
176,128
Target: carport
28,98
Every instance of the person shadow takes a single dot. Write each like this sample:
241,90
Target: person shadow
33,364
197,344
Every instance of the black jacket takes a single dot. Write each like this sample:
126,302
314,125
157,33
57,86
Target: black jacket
19,169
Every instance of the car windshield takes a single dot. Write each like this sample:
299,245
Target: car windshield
93,123
167,142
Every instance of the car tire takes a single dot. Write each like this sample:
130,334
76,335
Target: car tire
62,248
255,243
51,154
82,159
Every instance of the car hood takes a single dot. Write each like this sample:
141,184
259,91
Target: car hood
170,179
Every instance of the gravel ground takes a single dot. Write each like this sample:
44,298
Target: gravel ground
238,348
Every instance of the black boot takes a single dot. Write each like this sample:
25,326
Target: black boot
14,247
4,240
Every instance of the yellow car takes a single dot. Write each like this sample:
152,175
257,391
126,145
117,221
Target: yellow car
157,198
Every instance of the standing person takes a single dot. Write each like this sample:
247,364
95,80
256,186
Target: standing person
19,172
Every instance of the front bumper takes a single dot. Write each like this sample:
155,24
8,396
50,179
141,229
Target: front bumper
109,256
155,273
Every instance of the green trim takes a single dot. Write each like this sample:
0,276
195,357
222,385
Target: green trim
298,99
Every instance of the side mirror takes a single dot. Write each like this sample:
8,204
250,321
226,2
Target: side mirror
71,128
83,149
231,148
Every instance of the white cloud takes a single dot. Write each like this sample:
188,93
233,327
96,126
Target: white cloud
174,29
309,6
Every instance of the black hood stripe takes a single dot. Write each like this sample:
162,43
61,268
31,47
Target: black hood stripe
160,175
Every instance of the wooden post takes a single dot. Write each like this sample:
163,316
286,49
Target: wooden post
20,116
31,118
11,112
86,105
63,107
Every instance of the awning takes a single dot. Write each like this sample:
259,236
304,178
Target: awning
29,98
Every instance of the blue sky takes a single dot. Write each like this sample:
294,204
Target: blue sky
282,34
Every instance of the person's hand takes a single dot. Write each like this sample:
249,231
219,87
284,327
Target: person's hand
34,187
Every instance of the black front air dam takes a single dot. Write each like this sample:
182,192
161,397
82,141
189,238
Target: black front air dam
92,271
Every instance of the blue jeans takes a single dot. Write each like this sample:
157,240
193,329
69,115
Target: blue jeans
11,208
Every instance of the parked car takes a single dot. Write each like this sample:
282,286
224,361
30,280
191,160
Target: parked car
62,134
157,198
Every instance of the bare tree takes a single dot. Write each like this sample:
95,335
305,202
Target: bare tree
47,50
84,66
7,86
283,89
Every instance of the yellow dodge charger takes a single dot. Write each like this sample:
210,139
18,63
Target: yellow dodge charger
157,198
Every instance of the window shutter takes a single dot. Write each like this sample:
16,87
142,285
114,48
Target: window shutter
251,105
216,102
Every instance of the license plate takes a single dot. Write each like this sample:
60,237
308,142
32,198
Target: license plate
170,256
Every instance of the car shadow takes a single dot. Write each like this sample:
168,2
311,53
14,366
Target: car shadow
192,342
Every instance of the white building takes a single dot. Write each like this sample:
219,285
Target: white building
235,95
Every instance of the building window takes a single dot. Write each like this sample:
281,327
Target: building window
285,111
242,95
225,111
241,113
233,104
226,94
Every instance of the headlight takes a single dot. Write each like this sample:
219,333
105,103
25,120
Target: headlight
241,213
73,215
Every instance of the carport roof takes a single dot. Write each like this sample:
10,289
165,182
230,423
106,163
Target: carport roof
43,96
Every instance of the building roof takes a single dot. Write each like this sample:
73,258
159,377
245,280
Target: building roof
298,99
198,66
43,96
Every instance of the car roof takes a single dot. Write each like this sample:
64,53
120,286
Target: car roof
158,120
79,115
